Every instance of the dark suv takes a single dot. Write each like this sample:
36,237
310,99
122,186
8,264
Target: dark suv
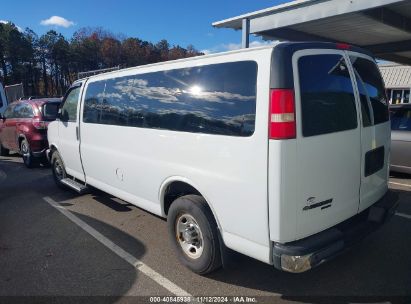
23,128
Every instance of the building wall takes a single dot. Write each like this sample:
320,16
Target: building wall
397,80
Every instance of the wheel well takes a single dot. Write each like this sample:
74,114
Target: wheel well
52,150
175,190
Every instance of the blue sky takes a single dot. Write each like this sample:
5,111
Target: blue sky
181,22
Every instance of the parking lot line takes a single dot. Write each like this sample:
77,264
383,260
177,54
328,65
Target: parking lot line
147,270
403,215
399,184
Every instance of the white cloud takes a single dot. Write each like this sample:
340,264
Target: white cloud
219,97
138,88
234,46
57,21
18,27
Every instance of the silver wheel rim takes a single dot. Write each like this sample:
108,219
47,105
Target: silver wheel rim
58,169
189,236
25,151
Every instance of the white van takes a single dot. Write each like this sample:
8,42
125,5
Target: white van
3,100
280,153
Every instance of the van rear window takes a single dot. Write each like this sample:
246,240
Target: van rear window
213,99
327,95
371,88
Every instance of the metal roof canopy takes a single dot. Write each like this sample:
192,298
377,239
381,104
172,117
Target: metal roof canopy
381,26
396,76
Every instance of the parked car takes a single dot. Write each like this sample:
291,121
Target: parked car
401,138
23,128
279,153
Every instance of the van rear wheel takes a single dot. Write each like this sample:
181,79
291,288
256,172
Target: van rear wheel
59,172
193,234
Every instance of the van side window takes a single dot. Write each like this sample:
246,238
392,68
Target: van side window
369,78
327,95
69,109
213,99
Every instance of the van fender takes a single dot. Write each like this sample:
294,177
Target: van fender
177,178
52,147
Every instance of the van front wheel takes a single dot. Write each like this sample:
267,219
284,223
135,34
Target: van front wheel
193,233
57,166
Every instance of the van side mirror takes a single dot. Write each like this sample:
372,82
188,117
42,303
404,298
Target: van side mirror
62,115
58,116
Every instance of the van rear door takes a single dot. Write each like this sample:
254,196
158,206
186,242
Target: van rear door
328,140
375,129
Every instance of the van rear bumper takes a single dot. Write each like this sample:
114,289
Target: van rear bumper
307,253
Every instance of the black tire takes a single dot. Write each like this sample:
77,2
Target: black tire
3,151
196,208
59,172
29,160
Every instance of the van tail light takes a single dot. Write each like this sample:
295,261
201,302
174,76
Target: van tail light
282,114
39,124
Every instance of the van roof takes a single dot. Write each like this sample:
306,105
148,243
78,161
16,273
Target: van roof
294,45
253,49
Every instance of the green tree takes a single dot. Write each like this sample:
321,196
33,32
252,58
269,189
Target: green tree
47,65
111,52
163,47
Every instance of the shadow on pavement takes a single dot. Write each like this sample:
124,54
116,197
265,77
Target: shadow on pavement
43,253
110,202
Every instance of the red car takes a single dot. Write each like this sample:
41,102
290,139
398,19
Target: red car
23,128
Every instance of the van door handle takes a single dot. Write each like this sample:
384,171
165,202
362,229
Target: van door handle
77,132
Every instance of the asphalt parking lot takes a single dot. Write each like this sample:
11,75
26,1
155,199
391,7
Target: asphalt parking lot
55,243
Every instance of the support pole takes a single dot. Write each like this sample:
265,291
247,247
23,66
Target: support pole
245,42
